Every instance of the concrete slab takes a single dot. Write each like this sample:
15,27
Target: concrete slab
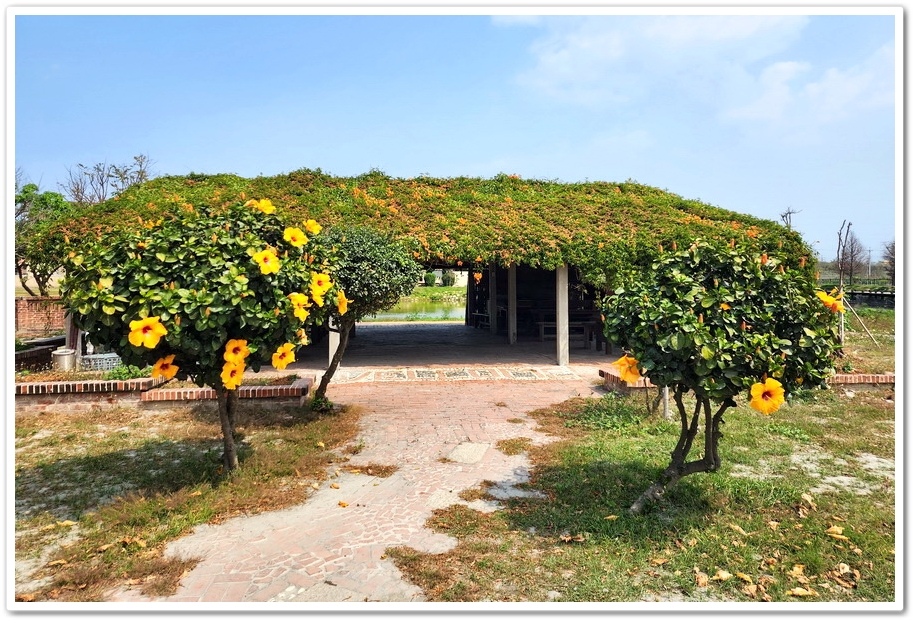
468,452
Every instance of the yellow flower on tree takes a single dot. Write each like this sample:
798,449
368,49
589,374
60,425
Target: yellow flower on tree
628,369
232,374
268,261
283,357
300,304
164,368
319,285
264,205
295,236
303,337
146,332
342,301
236,351
768,396
312,227
833,303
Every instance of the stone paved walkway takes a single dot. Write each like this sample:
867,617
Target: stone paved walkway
441,435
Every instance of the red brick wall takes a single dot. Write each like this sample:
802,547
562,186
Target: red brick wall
39,316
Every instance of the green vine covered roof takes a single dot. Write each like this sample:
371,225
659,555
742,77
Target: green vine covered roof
598,227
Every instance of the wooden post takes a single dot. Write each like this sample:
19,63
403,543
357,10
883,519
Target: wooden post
563,315
513,307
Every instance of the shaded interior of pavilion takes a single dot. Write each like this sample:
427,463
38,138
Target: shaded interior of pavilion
513,315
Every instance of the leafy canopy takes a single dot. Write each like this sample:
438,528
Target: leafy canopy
39,242
373,268
715,320
598,227
203,288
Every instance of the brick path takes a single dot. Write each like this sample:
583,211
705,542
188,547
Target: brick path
440,434
320,551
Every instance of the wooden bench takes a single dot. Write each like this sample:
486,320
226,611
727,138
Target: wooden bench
481,321
577,331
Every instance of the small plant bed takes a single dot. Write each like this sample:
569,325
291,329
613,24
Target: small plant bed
118,373
248,381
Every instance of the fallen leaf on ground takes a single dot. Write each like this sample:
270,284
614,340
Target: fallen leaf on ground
701,578
737,529
343,504
745,577
721,575
334,485
798,591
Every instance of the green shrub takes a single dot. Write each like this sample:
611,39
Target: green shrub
448,278
429,279
123,372
610,412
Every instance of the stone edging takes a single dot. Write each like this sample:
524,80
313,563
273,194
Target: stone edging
72,396
613,381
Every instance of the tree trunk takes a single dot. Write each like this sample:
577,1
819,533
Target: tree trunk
345,327
679,466
227,399
23,280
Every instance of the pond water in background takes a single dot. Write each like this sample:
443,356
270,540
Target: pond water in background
411,309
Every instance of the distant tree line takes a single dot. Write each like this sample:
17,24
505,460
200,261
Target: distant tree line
38,244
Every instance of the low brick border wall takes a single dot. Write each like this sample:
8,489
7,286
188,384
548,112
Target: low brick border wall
73,396
35,358
850,381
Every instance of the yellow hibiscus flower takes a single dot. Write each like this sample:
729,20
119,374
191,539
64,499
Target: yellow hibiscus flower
342,301
319,285
146,332
300,304
232,374
264,205
303,337
268,261
295,236
834,304
628,369
165,368
283,357
768,396
312,227
236,351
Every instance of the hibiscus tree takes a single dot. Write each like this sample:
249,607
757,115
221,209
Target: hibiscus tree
205,295
715,323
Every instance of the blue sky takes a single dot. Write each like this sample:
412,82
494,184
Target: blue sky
753,113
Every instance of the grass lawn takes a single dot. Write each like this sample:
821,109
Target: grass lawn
803,509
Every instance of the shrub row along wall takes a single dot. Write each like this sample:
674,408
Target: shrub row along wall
38,316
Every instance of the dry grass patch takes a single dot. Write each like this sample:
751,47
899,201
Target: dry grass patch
99,494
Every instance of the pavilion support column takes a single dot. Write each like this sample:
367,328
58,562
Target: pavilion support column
513,307
333,341
494,316
469,298
563,315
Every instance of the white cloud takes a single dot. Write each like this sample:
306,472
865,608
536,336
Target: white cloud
786,95
776,94
599,60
